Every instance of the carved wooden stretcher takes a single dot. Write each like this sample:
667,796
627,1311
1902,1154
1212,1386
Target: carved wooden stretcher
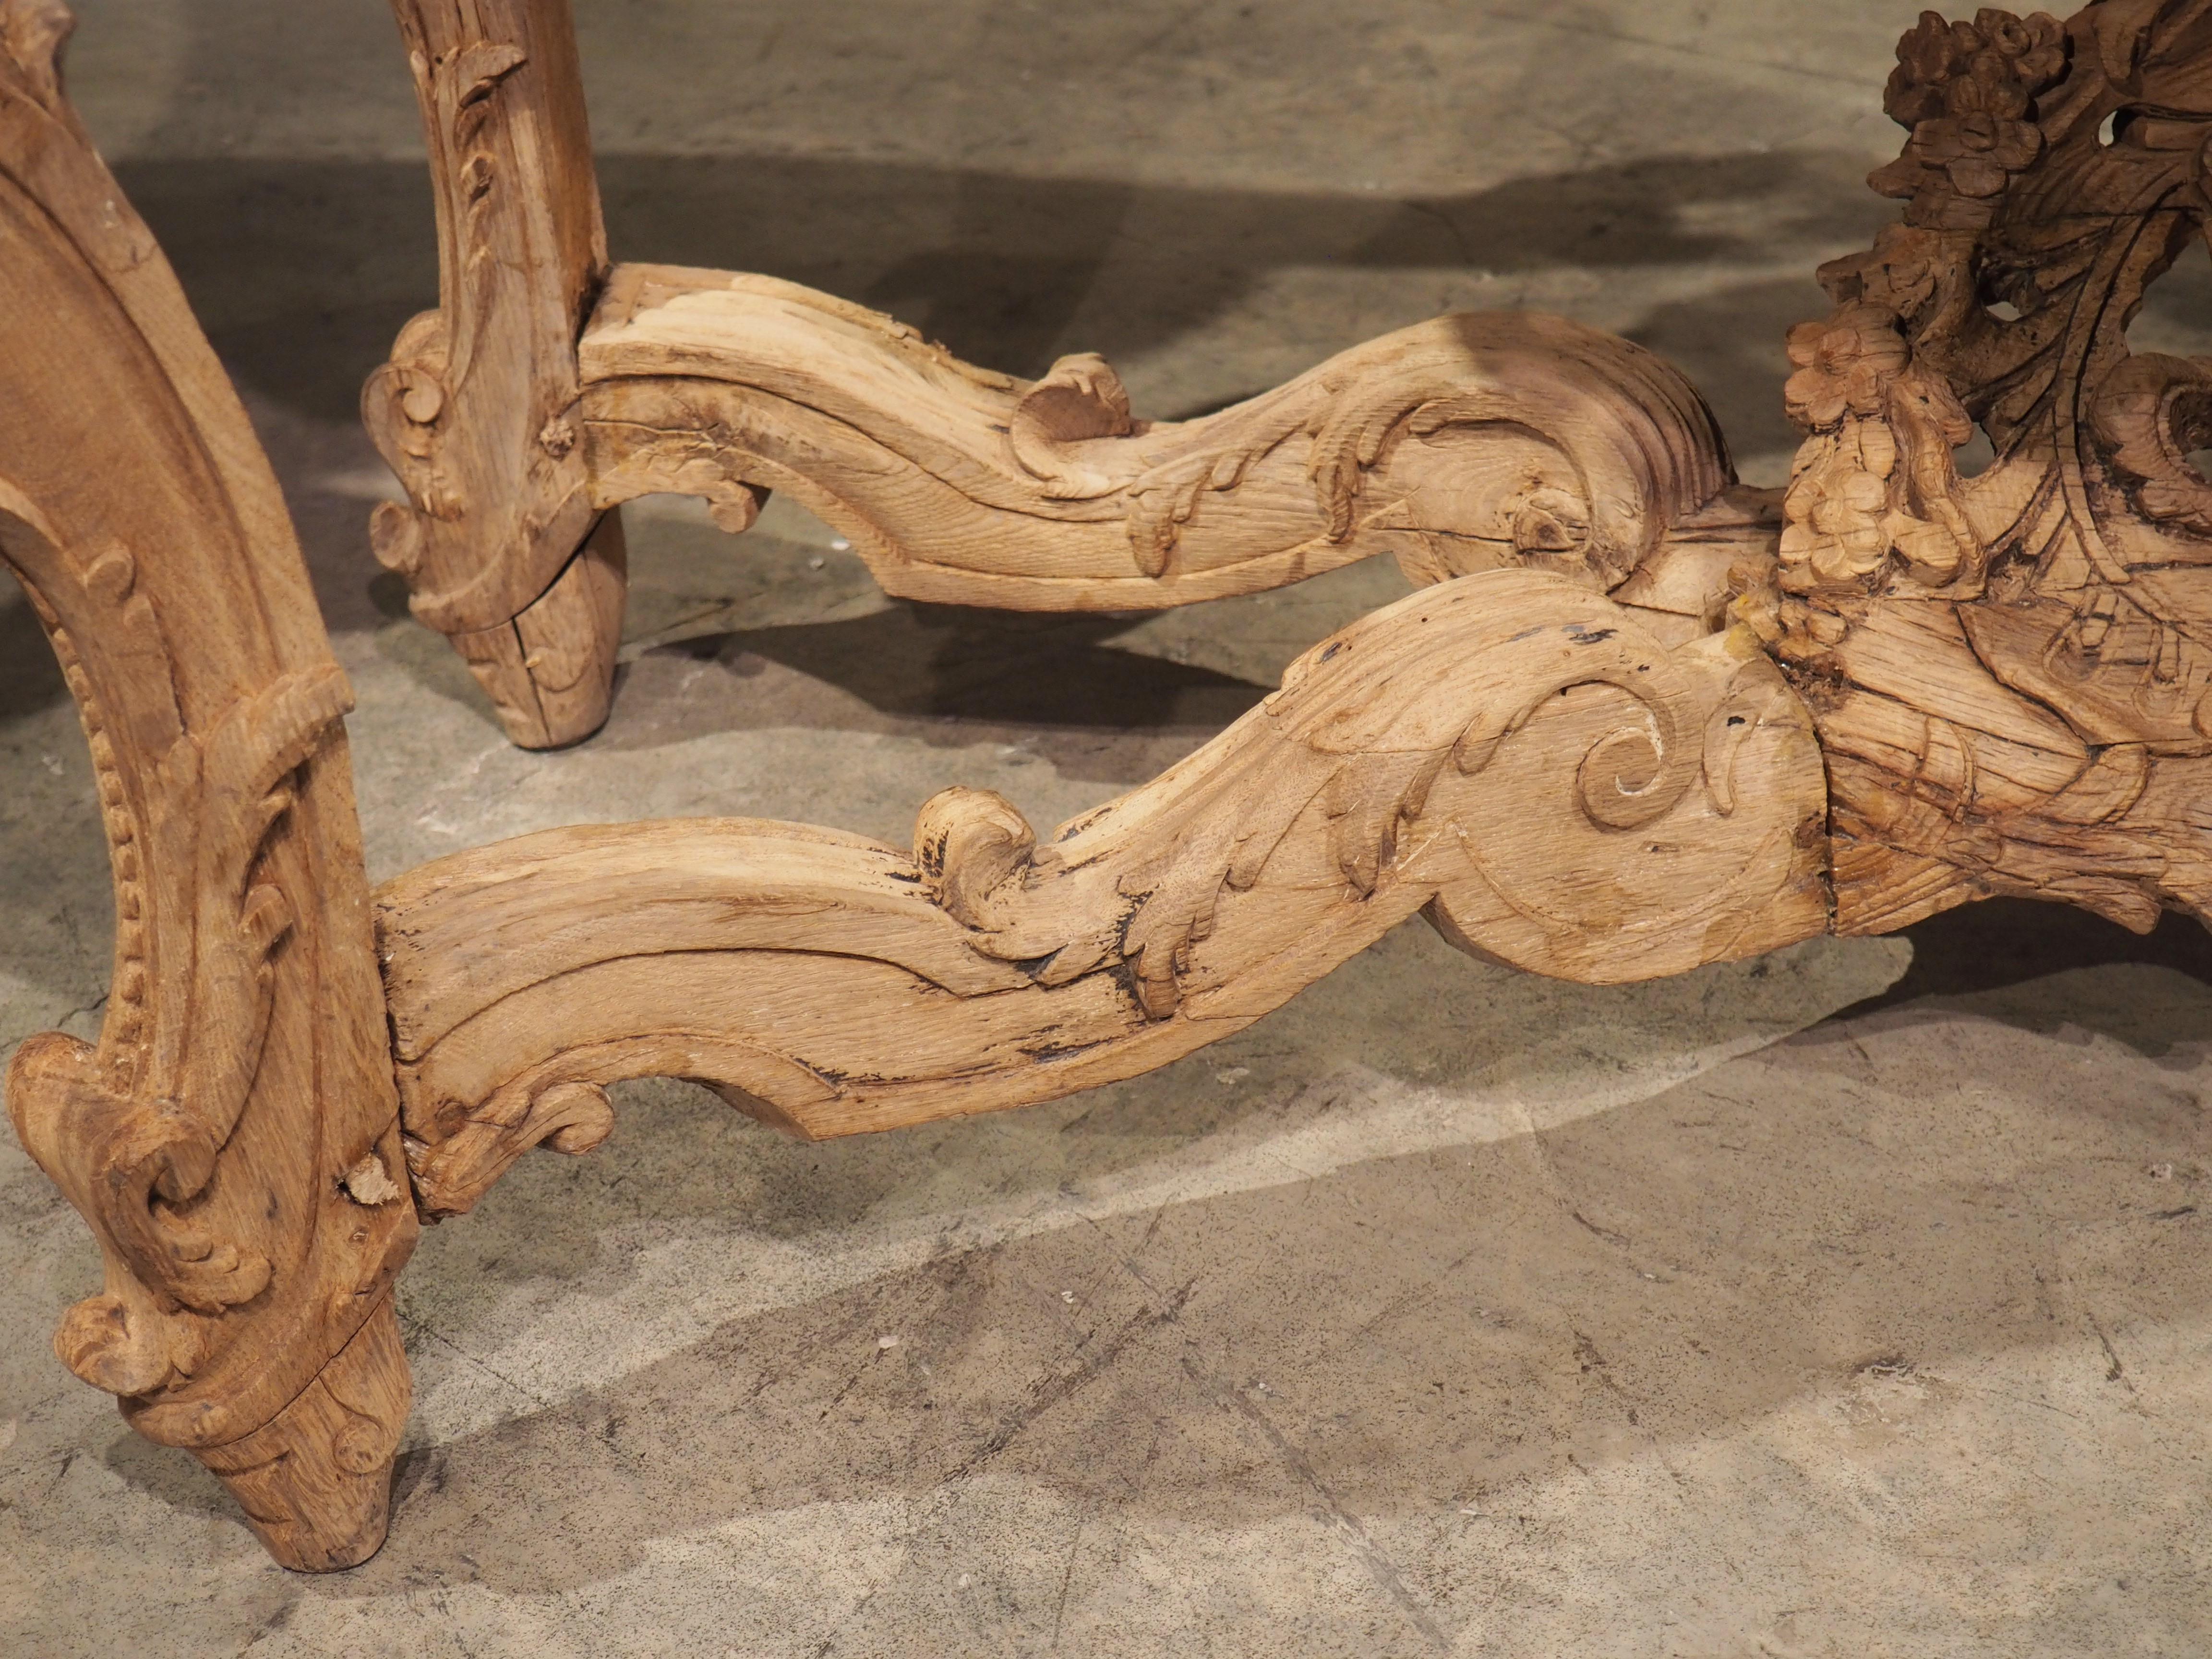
1641,718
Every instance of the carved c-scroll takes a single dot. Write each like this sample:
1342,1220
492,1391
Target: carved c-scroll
1513,753
135,1132
239,1078
1466,443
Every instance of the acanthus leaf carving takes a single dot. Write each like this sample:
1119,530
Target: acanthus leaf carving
2154,412
1562,752
1462,444
143,1151
475,412
238,1073
460,84
134,1128
1992,657
1519,757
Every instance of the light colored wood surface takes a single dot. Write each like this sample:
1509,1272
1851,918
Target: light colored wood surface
2011,671
1523,759
241,1069
475,411
1462,444
1467,443
1569,752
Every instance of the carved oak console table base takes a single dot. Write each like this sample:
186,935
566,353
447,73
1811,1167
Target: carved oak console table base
1637,717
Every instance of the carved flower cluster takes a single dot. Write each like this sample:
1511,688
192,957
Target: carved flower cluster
1968,90
1845,365
1875,478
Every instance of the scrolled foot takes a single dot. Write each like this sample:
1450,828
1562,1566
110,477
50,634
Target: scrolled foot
551,672
315,1481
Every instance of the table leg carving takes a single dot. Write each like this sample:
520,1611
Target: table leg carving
315,1480
1639,719
475,411
1462,444
218,1137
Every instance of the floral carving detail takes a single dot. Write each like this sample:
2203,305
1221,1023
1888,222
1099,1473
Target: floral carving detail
1845,365
1968,91
1876,478
137,1156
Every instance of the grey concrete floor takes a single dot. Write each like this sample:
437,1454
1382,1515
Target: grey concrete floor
1851,1302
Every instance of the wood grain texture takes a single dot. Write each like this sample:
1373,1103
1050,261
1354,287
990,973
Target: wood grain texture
1466,443
2011,671
1525,761
1639,719
242,1070
475,411
1462,444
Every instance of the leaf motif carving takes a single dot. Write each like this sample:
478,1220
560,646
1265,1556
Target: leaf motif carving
1517,757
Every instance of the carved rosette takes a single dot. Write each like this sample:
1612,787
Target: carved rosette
1874,490
1967,93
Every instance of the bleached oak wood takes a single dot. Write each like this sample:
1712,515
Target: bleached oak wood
475,411
2010,671
1570,752
232,1138
1467,443
1462,444
1525,760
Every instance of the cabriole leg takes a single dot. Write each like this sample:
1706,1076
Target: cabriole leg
232,1138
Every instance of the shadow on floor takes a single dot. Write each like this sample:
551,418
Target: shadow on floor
1661,1274
1971,955
302,271
943,675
